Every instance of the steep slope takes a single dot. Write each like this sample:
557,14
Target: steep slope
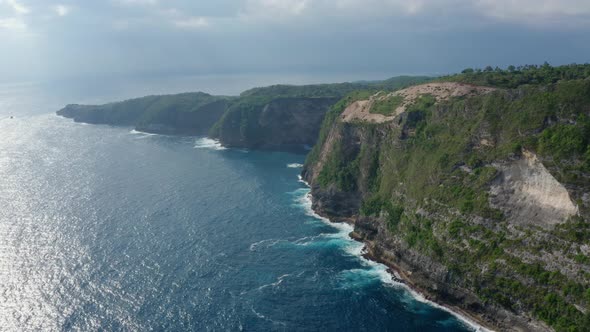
480,200
285,116
182,114
277,123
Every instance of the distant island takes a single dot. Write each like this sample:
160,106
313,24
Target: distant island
473,188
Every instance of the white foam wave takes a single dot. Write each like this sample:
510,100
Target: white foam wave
342,237
143,133
261,316
208,143
374,269
465,320
294,165
264,243
276,283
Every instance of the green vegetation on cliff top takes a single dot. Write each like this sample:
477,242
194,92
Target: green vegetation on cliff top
513,77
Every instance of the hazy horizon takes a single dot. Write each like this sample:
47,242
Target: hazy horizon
352,39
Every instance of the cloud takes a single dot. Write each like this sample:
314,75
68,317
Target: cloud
382,36
526,10
16,6
61,10
538,12
12,24
191,22
136,2
384,7
273,9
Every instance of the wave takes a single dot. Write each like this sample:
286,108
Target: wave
264,243
261,316
137,132
294,165
142,134
208,143
340,239
276,283
373,271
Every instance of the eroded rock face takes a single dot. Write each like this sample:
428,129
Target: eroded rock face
529,195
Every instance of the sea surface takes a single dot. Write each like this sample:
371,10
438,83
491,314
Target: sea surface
105,228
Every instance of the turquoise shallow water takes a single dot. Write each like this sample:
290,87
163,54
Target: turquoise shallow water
105,228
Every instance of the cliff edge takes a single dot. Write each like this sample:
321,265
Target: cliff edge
476,195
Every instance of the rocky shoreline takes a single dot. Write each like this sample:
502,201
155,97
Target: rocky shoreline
459,302
401,276
398,274
404,278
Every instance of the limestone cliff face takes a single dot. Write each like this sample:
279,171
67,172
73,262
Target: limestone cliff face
470,200
529,195
275,123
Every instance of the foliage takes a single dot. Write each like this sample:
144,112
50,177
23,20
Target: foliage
513,77
375,206
565,140
338,171
335,89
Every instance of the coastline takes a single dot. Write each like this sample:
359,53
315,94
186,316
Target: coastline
421,295
402,279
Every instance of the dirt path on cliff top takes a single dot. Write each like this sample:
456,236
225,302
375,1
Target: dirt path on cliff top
361,110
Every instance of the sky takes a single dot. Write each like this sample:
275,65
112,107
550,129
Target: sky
45,40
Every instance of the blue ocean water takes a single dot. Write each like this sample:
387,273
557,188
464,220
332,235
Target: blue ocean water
104,228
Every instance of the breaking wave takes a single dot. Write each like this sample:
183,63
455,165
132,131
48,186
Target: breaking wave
294,165
208,143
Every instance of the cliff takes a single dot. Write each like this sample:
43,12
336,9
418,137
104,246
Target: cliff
474,188
278,123
286,116
478,196
180,114
274,117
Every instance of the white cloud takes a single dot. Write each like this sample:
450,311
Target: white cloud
530,9
521,11
12,24
191,22
383,7
61,10
136,2
16,6
274,9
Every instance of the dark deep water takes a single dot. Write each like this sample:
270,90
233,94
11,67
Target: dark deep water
102,228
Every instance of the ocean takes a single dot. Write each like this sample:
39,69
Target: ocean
106,228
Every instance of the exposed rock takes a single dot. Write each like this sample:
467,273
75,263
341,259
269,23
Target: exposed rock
529,195
361,110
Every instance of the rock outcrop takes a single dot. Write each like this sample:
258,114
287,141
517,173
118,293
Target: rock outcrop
528,194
